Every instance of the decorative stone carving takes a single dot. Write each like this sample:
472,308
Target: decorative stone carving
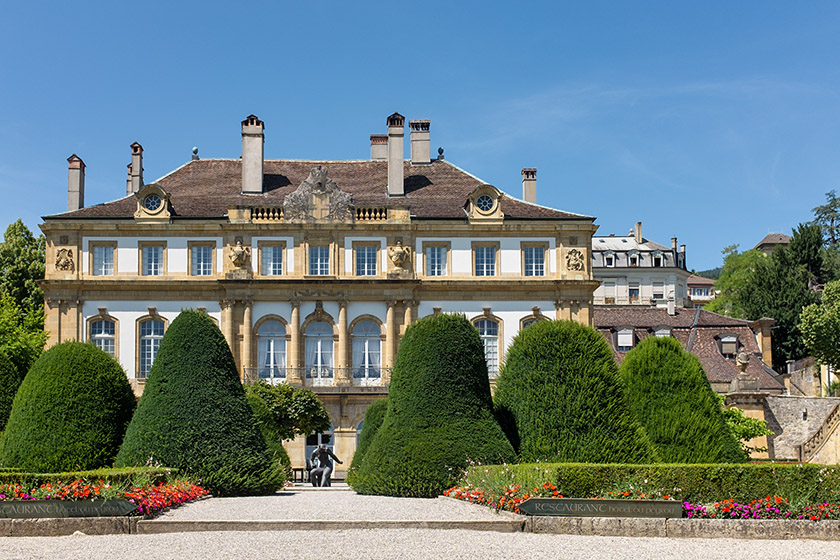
239,254
574,260
318,199
399,255
64,260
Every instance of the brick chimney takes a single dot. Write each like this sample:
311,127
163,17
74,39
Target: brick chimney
75,183
378,147
253,155
396,133
420,150
529,184
638,232
136,169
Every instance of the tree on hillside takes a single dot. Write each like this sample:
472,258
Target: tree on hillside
820,326
729,285
22,266
827,216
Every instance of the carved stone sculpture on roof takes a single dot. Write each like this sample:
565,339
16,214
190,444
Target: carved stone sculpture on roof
318,199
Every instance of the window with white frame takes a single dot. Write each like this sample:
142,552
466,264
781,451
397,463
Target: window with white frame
609,292
633,260
729,346
152,256
103,260
319,351
534,260
485,260
657,260
367,351
662,332
315,440
658,290
201,260
366,260
102,335
625,339
609,260
435,260
633,292
151,333
271,260
271,348
488,330
319,260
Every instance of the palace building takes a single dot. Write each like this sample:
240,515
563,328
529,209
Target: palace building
312,269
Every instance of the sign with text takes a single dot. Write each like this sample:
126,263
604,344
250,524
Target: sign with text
573,507
29,509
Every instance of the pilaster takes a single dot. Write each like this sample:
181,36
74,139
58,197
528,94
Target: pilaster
294,375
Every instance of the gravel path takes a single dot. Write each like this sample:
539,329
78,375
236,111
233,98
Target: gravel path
399,544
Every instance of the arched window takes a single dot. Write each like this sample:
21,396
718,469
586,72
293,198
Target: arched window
314,440
102,335
319,352
151,333
489,332
367,352
528,322
271,348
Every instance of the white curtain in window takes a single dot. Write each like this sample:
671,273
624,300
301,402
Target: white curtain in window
366,350
319,350
271,349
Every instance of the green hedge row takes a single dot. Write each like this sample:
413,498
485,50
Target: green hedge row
696,483
112,476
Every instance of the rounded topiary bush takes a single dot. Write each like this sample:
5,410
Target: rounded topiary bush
70,412
561,399
193,415
439,414
670,394
374,415
10,380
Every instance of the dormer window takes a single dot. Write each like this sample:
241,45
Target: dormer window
633,258
609,259
729,346
658,260
625,338
662,332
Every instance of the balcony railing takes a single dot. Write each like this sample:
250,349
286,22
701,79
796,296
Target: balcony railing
317,376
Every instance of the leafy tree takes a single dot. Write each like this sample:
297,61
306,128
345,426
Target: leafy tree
439,413
737,267
743,427
70,412
820,326
294,410
193,415
269,430
561,399
22,266
10,380
827,216
670,394
22,336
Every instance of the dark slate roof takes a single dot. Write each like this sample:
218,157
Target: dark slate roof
207,188
695,329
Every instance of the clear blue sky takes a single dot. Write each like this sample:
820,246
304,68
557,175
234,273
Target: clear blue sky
716,122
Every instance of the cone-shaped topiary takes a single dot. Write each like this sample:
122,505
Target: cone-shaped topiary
10,380
670,394
193,414
374,415
70,412
563,398
439,413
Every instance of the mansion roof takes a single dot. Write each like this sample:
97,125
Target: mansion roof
207,188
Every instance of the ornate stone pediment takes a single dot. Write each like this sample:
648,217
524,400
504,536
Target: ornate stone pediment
318,199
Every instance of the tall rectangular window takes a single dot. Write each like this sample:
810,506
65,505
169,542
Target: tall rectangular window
102,335
201,261
534,261
609,292
151,333
485,260
319,260
271,258
436,260
103,260
659,290
633,292
366,260
152,264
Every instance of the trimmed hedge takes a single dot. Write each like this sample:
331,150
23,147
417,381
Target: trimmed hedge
439,414
193,415
70,412
10,380
268,427
113,476
670,394
697,483
374,416
560,398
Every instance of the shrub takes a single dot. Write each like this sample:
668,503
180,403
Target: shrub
10,380
193,415
70,412
439,413
374,415
671,396
268,427
562,400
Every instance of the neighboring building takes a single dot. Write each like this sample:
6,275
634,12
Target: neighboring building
700,290
312,269
771,241
635,271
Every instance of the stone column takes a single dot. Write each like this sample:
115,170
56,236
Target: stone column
294,376
343,377
247,335
585,314
409,312
227,322
390,335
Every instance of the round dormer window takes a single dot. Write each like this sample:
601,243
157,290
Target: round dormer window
484,203
152,202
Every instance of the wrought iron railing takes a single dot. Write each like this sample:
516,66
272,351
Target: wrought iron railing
323,376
